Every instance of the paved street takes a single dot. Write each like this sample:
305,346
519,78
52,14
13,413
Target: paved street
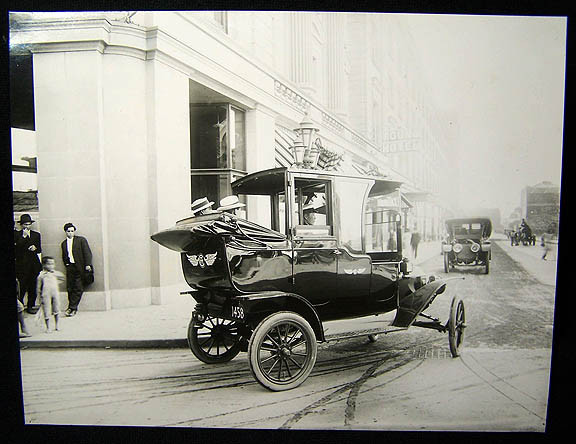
404,381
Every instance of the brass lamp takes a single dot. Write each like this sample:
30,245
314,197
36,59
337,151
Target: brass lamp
306,142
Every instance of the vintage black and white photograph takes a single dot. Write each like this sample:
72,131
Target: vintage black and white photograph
294,220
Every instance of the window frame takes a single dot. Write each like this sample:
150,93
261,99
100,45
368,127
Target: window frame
230,173
328,182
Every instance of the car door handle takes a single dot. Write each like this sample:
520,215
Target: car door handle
336,252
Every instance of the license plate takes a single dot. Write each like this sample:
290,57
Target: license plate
237,312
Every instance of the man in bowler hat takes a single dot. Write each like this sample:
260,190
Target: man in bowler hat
27,248
77,258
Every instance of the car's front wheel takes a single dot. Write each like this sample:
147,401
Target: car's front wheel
282,351
456,326
446,263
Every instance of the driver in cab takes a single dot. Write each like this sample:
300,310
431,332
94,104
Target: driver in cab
309,214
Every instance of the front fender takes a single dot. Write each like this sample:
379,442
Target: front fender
412,304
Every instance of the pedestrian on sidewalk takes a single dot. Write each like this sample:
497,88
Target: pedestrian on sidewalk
392,245
77,258
414,242
25,333
47,288
546,238
27,250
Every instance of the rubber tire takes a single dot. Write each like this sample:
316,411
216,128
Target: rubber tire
455,338
487,265
199,352
446,263
260,333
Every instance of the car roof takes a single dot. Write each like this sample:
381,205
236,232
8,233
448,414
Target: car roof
485,221
271,181
469,220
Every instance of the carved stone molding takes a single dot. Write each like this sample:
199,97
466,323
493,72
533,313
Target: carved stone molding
332,122
356,138
291,97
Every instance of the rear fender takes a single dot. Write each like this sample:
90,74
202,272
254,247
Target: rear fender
412,304
258,306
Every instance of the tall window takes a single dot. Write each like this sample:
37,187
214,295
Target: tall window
217,148
21,90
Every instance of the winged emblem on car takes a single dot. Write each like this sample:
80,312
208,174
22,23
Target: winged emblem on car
354,270
202,260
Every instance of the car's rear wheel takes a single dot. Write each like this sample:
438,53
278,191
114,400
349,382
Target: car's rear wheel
214,340
282,351
456,326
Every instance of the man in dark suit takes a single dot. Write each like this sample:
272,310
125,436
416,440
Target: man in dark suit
77,257
27,247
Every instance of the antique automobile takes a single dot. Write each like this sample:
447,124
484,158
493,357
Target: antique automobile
331,250
467,243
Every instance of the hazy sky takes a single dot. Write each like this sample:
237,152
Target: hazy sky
501,79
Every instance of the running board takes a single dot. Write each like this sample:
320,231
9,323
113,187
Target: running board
355,334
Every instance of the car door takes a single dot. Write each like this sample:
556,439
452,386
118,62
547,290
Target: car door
315,252
354,265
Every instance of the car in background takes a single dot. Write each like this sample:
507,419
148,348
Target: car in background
467,243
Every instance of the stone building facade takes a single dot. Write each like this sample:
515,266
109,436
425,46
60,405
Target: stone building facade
137,114
541,207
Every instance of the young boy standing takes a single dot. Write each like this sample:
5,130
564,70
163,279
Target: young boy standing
47,289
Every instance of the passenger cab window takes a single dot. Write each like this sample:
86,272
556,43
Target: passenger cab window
311,213
381,235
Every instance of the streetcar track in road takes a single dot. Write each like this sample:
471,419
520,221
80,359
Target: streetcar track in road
347,387
443,385
340,388
350,412
351,357
509,391
169,385
244,409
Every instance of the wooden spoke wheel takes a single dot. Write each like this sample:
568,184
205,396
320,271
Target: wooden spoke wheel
456,326
214,340
282,351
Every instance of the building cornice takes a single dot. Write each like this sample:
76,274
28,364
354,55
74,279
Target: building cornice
269,92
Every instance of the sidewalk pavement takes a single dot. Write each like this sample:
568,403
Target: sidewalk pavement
530,258
155,326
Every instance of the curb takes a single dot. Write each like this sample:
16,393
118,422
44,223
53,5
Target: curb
114,343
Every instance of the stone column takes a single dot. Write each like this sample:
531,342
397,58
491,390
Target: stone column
169,171
114,159
301,51
358,80
71,163
335,75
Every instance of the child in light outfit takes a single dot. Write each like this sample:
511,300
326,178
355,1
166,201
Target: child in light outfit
47,289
